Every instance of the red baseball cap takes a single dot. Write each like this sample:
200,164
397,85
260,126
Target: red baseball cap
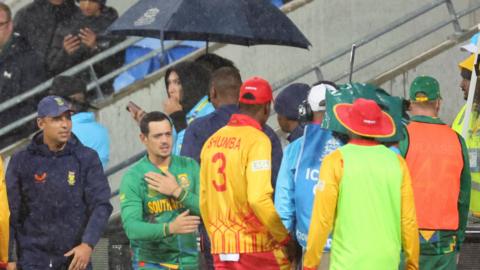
365,118
255,91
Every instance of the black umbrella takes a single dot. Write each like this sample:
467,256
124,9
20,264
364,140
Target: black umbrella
243,22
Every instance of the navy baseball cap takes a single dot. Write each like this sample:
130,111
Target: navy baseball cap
287,102
52,106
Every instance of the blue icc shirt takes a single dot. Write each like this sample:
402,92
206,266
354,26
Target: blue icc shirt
298,176
92,134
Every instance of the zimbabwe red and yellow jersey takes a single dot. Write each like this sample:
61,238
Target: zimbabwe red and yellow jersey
235,190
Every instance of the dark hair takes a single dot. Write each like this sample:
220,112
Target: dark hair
101,2
213,62
195,80
226,81
7,10
155,116
251,108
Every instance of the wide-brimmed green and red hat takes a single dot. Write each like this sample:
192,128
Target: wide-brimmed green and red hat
365,118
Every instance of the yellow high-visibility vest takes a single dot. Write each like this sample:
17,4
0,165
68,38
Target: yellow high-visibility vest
472,140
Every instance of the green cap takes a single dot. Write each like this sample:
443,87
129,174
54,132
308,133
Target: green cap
424,88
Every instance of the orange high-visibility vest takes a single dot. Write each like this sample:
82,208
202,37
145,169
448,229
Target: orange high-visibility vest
435,160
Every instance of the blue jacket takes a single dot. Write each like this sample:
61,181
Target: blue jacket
202,128
298,176
92,134
57,201
202,108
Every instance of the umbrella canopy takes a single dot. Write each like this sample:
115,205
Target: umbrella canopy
243,22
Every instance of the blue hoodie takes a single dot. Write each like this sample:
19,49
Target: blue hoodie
57,200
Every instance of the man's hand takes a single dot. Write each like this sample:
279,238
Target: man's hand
71,44
171,105
165,184
81,257
12,266
292,249
88,37
184,224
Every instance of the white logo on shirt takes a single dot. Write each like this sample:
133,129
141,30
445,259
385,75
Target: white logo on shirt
260,165
320,186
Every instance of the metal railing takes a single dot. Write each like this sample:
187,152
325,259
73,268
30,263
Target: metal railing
316,68
88,64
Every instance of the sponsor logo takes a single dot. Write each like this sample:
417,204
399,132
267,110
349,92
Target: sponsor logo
312,174
40,178
260,165
162,205
183,179
7,75
147,18
59,101
71,178
320,186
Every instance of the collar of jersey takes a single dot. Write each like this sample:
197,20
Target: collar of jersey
363,142
243,120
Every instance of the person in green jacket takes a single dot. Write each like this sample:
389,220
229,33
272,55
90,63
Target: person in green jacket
159,201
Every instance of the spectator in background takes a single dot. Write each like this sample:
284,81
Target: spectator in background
58,195
286,106
38,21
4,219
186,84
20,70
78,39
90,133
187,87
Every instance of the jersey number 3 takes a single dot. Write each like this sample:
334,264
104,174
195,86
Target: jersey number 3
220,186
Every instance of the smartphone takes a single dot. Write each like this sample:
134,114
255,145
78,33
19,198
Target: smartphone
132,107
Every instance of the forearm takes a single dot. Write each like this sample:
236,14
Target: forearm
189,199
264,210
140,230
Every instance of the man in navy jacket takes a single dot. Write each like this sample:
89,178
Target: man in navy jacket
224,90
58,195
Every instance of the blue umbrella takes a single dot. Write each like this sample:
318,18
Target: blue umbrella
243,22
